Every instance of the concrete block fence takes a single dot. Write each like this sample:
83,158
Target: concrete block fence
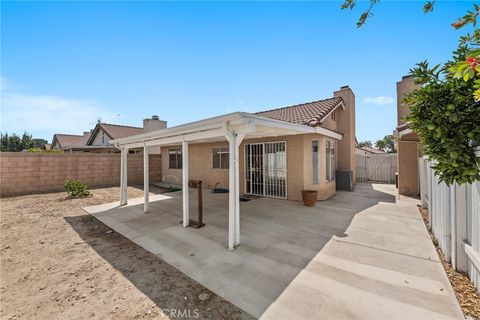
24,172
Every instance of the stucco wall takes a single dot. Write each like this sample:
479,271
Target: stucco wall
101,139
299,165
326,189
405,86
346,126
23,172
407,164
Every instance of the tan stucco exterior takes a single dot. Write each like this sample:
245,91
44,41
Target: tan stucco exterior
299,156
346,126
407,143
404,87
408,177
299,165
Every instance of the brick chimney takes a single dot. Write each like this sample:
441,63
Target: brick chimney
152,124
346,126
404,86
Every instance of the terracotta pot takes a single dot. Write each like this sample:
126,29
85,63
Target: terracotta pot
309,197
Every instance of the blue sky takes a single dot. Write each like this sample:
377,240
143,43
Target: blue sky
65,64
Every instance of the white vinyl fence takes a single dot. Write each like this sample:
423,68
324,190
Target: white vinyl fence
376,167
454,213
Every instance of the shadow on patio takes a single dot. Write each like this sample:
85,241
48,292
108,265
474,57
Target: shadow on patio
278,239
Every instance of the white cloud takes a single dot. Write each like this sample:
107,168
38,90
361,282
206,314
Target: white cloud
46,114
378,100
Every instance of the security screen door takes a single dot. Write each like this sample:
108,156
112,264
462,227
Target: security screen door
266,169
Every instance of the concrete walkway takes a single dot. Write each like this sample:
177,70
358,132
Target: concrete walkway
360,255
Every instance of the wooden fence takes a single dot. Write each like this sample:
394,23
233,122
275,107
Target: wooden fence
454,215
376,167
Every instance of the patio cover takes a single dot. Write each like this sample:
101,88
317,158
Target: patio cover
233,127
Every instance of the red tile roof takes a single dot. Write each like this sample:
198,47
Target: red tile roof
311,113
70,140
116,131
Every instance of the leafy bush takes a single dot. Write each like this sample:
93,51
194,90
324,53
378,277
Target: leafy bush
35,149
76,189
445,113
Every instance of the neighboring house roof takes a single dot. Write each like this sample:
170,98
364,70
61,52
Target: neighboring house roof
69,140
311,113
403,126
114,131
370,149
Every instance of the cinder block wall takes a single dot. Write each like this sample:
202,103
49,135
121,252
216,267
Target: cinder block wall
23,172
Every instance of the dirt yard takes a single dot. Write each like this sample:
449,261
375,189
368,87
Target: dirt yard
59,263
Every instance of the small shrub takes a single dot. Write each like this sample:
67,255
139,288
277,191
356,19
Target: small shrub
76,189
35,149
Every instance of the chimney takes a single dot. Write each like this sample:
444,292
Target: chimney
346,126
152,124
404,87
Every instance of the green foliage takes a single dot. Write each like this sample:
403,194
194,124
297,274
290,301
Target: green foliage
35,149
39,143
367,143
13,142
428,7
76,189
386,144
469,17
446,115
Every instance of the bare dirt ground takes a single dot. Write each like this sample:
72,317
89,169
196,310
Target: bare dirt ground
57,262
465,291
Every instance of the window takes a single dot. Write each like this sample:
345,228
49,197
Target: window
330,160
315,162
220,158
175,158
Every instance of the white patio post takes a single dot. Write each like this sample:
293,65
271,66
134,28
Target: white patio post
146,182
186,215
238,141
231,192
123,176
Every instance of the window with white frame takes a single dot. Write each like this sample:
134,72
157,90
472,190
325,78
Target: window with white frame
315,162
220,158
175,158
330,160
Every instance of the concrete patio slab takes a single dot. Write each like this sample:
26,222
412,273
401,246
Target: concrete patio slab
360,255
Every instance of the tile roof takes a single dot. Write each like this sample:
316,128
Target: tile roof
116,131
311,113
70,140
371,150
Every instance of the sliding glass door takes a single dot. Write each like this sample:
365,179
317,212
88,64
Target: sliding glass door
266,169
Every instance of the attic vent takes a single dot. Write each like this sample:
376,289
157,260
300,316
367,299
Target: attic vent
154,117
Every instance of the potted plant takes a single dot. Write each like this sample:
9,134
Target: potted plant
309,197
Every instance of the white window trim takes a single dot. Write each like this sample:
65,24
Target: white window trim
221,152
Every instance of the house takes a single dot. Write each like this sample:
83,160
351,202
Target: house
407,143
275,153
97,140
69,141
365,150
